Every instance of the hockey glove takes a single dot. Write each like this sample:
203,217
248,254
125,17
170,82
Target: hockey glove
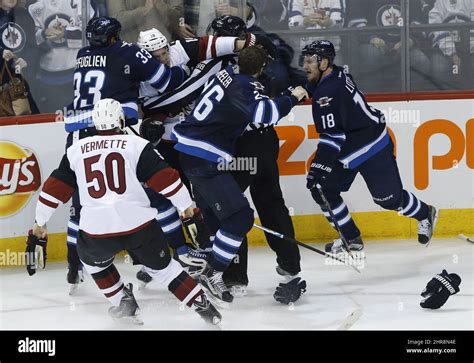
197,230
321,168
318,174
291,291
266,43
250,40
439,289
152,130
35,253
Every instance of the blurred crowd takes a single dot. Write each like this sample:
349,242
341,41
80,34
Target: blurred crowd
431,49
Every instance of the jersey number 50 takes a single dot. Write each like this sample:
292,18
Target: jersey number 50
114,175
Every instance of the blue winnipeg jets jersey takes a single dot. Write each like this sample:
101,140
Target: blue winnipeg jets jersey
115,72
348,127
227,105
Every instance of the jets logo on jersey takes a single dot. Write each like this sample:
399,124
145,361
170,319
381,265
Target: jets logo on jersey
389,15
13,37
324,101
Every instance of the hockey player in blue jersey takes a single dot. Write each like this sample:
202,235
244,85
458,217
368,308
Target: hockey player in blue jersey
353,138
108,68
231,100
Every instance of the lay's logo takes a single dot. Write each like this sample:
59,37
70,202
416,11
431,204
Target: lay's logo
20,177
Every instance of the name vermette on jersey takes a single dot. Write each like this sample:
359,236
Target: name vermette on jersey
238,164
397,116
103,144
28,345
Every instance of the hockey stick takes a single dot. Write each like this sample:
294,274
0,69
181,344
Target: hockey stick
466,238
282,236
133,130
333,217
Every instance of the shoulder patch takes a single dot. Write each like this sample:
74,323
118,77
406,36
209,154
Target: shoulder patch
324,101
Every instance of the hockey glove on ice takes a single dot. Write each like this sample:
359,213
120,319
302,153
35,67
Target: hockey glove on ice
197,230
291,291
35,253
439,289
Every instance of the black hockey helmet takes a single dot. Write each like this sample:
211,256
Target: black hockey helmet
228,26
100,30
321,49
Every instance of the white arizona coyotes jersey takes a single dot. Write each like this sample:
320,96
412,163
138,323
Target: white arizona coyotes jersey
112,198
65,14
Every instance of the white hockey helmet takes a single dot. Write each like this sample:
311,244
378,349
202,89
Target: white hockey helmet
152,40
108,115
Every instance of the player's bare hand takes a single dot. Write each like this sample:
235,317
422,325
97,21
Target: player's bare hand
226,9
40,231
185,31
325,22
8,55
187,213
300,93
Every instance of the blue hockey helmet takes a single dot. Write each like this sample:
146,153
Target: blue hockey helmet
100,30
321,49
228,26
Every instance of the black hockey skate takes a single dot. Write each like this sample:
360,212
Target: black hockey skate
426,226
74,277
206,310
128,311
337,246
213,282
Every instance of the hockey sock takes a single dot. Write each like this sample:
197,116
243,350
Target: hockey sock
171,225
178,281
413,207
72,256
344,220
224,249
109,282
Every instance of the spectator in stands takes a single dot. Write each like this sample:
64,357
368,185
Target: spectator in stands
59,37
453,65
17,45
315,15
379,61
140,15
200,13
270,15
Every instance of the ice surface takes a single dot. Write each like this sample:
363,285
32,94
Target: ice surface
387,291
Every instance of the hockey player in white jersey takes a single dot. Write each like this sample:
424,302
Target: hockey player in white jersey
201,58
108,170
